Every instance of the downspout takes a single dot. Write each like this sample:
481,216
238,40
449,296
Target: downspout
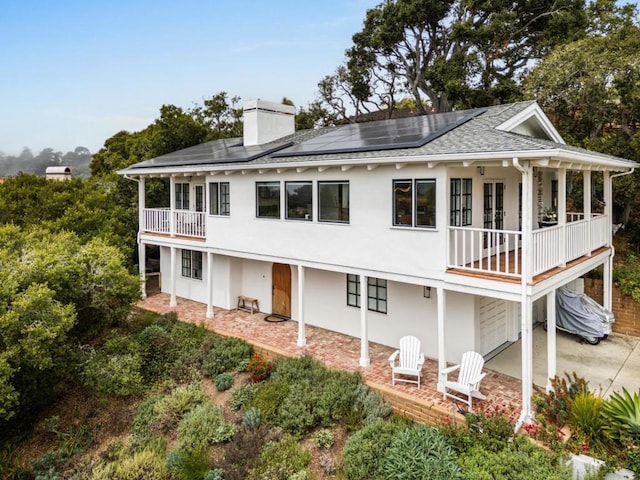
524,414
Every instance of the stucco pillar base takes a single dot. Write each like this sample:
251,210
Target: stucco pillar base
365,361
209,314
302,342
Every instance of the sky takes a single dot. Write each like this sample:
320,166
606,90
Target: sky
75,72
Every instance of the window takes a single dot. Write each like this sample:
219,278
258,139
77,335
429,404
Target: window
414,203
333,198
376,293
182,196
299,200
219,198
460,202
268,199
192,264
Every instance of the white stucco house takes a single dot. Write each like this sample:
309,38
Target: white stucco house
430,226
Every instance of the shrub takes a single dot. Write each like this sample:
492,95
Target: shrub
243,454
145,465
370,406
201,427
519,460
158,351
420,452
364,450
622,412
224,382
586,415
187,466
324,438
259,368
242,395
281,461
556,404
224,355
113,374
269,397
251,418
170,409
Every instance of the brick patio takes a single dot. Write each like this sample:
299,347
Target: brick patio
343,352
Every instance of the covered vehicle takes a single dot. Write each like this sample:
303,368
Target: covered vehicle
579,314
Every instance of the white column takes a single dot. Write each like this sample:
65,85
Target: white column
142,265
172,205
442,357
364,334
302,339
209,313
173,302
551,338
607,268
527,359
562,213
586,200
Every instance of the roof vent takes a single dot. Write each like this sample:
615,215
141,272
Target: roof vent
267,121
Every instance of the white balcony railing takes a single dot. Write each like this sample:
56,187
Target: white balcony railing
498,251
185,223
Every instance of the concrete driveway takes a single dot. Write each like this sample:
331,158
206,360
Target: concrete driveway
608,366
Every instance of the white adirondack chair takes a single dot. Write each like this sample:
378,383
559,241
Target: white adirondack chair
407,361
469,377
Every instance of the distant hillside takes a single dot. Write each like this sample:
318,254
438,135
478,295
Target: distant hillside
27,162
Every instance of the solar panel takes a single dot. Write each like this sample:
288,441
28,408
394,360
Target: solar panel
409,132
227,150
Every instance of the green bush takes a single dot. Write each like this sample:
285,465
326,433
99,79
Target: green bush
324,438
187,466
118,344
242,395
259,367
225,354
158,351
622,412
364,451
243,453
145,465
224,382
281,460
555,405
420,452
115,374
369,406
269,398
519,460
586,415
201,427
251,418
170,409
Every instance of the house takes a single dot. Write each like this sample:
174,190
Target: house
58,173
454,228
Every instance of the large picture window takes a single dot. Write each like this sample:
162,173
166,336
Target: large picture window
299,200
219,198
192,264
460,202
414,203
333,198
268,199
182,196
376,293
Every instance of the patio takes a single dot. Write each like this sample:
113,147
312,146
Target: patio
279,339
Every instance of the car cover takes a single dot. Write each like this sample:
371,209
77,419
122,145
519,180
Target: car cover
582,315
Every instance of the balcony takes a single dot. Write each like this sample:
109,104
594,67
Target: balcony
488,251
182,223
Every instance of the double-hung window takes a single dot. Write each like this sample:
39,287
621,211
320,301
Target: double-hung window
192,264
414,203
182,196
219,198
460,202
299,200
333,199
376,293
268,199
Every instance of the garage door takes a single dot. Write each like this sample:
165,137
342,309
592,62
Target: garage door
494,330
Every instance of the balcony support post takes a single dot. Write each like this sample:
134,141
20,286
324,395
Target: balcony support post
551,338
172,205
173,301
586,200
209,313
562,214
302,337
442,357
364,333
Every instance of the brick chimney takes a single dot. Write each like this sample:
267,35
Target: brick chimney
267,121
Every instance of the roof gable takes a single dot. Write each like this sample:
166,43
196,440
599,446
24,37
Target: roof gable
532,122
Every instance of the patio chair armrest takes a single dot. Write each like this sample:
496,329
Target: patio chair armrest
392,358
447,370
421,360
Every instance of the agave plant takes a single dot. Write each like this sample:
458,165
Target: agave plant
623,414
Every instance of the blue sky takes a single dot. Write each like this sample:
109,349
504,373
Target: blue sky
73,73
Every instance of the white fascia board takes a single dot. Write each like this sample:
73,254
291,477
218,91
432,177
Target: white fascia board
533,111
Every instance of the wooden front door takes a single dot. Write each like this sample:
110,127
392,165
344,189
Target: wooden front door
281,290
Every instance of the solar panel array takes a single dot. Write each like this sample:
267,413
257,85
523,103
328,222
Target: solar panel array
409,132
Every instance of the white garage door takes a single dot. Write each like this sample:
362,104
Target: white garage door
494,329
